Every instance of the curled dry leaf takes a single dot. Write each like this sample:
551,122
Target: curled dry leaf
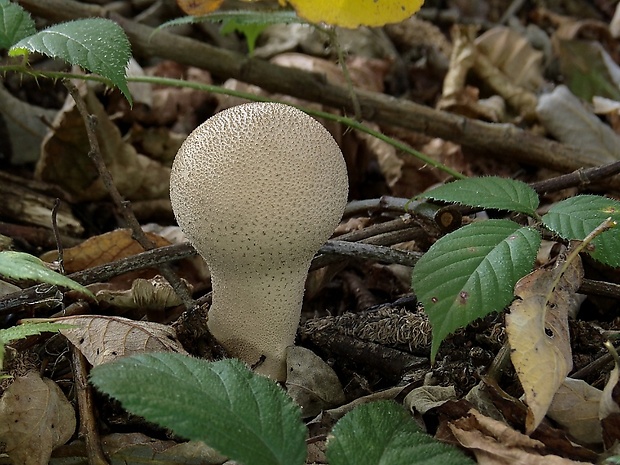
569,121
105,338
311,382
35,418
149,294
537,329
495,443
65,161
425,398
609,408
102,249
514,56
25,128
575,407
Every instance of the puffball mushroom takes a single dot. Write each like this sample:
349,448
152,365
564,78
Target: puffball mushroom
257,189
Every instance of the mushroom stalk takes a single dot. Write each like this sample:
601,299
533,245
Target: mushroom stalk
257,189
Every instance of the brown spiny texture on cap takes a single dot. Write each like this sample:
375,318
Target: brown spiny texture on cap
257,189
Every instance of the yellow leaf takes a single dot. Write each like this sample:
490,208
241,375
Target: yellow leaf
537,329
199,7
355,13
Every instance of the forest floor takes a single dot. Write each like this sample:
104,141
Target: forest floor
523,90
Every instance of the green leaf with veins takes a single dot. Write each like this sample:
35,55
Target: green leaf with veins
96,44
578,216
471,272
489,192
242,415
15,23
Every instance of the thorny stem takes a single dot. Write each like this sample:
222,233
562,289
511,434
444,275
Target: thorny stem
333,37
601,228
350,122
61,264
123,207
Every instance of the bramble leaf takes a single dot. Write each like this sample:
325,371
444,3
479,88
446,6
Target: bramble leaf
383,433
96,44
21,266
576,217
15,23
21,331
489,192
472,272
242,415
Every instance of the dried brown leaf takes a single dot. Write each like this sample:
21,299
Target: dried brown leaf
149,294
35,418
65,161
102,249
569,121
311,382
537,329
575,407
105,338
513,55
495,443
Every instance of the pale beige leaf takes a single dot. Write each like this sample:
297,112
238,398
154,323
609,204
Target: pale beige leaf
25,127
35,418
568,120
495,443
513,55
105,338
608,404
146,294
537,329
425,398
65,162
311,382
130,448
575,407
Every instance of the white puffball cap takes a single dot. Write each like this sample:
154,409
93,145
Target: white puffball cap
258,182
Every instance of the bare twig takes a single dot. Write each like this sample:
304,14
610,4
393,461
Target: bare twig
88,424
579,178
61,264
123,207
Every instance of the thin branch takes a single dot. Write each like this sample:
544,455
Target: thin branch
123,207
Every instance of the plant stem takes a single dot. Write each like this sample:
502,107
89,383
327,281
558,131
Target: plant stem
350,122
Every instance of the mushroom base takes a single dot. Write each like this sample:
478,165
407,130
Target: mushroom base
255,315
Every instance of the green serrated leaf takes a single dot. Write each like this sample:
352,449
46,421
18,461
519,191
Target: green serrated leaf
249,31
22,266
31,329
96,44
242,415
578,216
472,272
383,433
490,192
15,24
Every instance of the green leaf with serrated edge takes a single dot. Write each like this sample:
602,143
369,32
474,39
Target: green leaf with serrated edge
489,192
22,331
383,433
15,24
578,216
22,266
239,17
96,44
249,31
471,272
242,415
